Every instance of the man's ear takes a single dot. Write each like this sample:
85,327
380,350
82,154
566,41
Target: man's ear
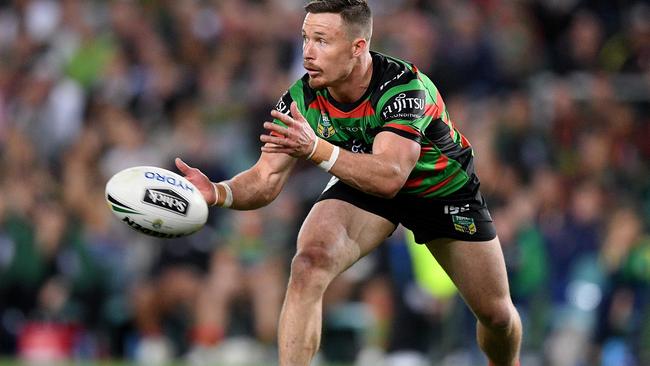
359,46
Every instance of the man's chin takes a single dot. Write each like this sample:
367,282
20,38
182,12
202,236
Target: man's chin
316,83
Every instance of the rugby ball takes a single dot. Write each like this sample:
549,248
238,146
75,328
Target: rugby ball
156,202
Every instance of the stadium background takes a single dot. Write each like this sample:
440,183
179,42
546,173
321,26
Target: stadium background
553,95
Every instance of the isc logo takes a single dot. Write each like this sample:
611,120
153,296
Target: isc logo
453,210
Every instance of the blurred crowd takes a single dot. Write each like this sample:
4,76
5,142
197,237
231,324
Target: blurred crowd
554,96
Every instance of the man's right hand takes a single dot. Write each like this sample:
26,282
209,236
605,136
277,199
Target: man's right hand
200,181
297,139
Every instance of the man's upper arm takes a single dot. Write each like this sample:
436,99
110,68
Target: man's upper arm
403,113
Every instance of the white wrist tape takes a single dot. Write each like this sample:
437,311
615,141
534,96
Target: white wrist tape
324,154
326,165
222,194
228,202
314,149
216,194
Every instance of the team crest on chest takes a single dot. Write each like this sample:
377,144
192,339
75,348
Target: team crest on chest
325,128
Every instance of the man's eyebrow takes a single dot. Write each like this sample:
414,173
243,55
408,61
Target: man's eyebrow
316,33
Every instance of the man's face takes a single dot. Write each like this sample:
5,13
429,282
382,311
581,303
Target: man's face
327,50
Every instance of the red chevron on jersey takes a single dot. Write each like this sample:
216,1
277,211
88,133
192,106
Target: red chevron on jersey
322,104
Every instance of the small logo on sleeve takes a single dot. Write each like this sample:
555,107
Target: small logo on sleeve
283,104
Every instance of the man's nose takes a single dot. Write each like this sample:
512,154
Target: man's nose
308,51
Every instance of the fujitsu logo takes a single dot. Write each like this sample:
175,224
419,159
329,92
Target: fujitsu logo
404,106
166,199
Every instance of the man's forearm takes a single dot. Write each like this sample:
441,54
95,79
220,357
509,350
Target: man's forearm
260,185
370,173
249,191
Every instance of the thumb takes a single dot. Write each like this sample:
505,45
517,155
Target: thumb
295,113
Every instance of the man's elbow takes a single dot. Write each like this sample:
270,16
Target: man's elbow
390,188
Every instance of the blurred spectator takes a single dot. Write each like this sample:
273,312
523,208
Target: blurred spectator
625,259
578,50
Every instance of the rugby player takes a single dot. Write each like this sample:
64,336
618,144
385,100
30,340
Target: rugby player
381,128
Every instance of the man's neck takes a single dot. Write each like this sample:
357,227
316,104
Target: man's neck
356,84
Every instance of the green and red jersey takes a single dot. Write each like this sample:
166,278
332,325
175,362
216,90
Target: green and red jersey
402,100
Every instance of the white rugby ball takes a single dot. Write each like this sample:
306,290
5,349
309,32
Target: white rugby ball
156,202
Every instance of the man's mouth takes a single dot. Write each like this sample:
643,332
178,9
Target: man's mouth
312,71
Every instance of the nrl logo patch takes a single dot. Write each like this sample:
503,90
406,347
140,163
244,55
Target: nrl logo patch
325,128
464,224
166,199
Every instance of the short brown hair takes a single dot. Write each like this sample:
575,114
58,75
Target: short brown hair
355,14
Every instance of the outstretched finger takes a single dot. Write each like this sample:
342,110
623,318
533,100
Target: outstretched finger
182,166
284,118
280,141
295,113
276,129
275,149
